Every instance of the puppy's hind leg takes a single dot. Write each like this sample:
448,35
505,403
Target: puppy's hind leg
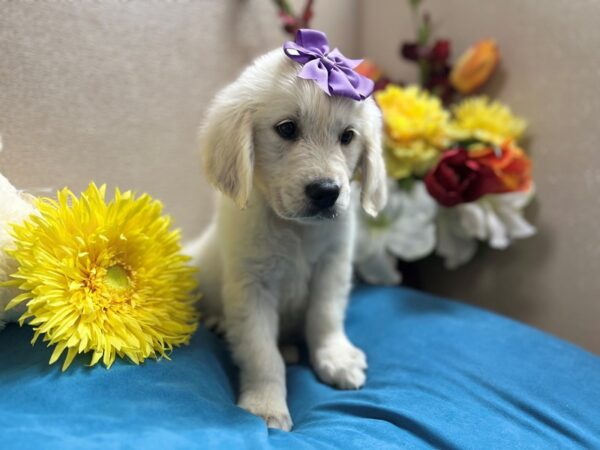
252,323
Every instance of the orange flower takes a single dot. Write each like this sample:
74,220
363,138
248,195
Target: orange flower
475,66
369,69
510,164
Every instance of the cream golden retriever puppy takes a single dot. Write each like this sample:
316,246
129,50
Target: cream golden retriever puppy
276,262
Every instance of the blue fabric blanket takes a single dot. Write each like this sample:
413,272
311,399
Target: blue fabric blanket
441,375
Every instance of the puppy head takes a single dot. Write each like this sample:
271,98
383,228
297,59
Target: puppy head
275,132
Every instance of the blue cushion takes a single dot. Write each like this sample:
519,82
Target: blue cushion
441,374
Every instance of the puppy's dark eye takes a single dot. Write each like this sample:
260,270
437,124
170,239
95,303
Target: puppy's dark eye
287,129
347,137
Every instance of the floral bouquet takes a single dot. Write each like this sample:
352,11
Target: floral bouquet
457,174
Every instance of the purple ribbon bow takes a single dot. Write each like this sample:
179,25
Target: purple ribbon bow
331,70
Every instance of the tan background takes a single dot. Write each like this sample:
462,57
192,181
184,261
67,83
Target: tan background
113,91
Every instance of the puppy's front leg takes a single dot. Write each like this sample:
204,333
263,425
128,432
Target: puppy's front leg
334,358
252,325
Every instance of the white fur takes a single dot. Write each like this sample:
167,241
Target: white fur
269,271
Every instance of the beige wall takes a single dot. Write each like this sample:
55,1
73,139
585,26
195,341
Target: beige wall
113,91
551,75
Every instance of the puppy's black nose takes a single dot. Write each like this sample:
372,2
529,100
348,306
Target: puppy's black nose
322,193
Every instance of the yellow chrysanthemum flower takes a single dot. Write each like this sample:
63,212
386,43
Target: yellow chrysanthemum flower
416,126
485,120
415,158
107,278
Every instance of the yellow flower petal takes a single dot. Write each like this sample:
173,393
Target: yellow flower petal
416,125
485,120
106,278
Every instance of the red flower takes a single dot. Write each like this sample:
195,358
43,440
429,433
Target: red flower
411,51
433,63
457,178
292,22
440,51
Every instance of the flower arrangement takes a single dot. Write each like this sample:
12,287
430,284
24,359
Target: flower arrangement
106,278
458,175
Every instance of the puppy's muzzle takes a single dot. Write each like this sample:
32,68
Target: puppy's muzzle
322,194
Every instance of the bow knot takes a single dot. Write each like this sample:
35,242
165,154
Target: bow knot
332,71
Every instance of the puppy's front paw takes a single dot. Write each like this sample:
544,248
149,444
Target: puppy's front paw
340,364
272,408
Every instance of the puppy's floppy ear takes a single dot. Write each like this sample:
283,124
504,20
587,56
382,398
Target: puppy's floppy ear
227,147
374,185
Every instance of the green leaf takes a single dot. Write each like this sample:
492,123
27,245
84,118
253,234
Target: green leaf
424,72
406,183
284,6
424,33
414,4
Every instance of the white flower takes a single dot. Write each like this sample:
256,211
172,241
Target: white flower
14,207
405,229
453,241
496,219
